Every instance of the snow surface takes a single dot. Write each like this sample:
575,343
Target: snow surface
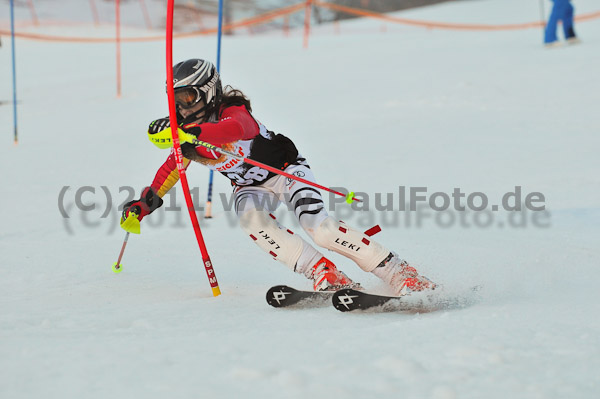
371,110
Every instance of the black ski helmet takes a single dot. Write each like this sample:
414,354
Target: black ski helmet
195,80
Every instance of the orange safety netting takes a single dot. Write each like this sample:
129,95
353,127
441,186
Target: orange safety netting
442,25
260,19
271,15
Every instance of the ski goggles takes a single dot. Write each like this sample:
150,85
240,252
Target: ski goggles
187,97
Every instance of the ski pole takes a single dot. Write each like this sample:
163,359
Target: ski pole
117,267
166,139
349,197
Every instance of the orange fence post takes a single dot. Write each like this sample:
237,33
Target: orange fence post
146,15
32,11
94,12
307,22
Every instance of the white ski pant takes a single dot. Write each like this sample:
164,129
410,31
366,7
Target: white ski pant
254,206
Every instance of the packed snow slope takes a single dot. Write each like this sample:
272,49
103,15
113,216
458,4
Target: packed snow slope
372,110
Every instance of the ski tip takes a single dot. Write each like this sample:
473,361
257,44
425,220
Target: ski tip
343,300
277,295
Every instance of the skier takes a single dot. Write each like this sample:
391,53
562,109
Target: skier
562,10
224,119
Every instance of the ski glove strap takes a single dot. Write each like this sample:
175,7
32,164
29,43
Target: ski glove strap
193,129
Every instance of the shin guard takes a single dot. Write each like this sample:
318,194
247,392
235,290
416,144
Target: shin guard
351,243
282,244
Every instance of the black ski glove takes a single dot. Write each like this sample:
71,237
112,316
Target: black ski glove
148,203
158,125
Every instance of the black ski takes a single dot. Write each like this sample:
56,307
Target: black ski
281,296
347,300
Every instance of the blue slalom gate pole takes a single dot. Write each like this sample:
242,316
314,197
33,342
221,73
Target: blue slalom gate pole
208,210
14,69
219,34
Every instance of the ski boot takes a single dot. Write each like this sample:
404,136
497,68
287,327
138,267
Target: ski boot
327,277
401,277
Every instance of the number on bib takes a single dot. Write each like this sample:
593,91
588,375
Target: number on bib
253,175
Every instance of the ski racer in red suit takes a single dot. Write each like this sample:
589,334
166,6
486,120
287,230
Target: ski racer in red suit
224,119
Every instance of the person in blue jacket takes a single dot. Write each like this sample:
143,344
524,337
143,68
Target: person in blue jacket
561,11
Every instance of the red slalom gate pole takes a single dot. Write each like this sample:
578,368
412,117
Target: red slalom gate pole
212,278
